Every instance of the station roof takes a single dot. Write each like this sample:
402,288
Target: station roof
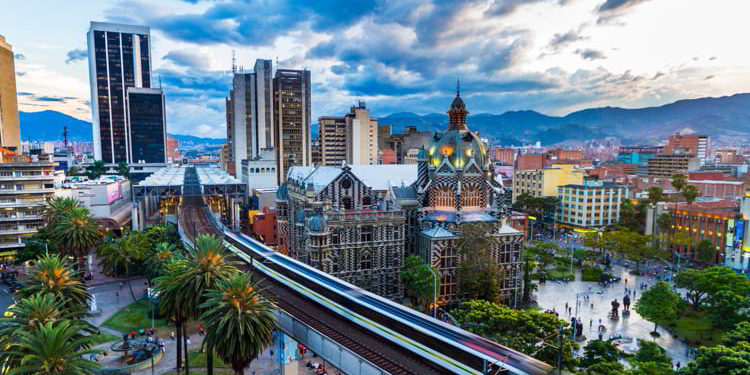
169,182
215,176
170,176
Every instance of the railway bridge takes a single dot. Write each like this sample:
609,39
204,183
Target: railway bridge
354,330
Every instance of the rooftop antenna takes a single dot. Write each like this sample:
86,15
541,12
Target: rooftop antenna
234,61
65,136
458,85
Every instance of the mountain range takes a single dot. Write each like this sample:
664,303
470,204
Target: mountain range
724,118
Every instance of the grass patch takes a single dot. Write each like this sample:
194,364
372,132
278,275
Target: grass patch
104,338
198,359
133,317
696,328
557,273
592,274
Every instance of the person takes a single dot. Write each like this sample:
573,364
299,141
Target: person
202,331
188,341
171,335
678,365
626,281
591,323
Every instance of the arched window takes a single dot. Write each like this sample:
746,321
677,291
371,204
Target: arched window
366,201
471,196
444,197
347,203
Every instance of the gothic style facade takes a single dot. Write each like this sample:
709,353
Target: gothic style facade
359,222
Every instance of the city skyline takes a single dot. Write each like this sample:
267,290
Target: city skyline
550,56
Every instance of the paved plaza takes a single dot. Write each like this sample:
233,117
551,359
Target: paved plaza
557,294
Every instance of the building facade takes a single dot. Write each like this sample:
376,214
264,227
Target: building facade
530,162
505,156
638,154
403,142
260,172
242,99
228,156
666,165
10,131
332,138
292,120
361,136
591,205
119,58
24,190
544,182
147,128
692,144
173,149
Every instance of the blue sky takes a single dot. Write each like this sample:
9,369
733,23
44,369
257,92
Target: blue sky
553,56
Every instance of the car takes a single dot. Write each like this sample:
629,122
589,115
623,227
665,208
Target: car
8,313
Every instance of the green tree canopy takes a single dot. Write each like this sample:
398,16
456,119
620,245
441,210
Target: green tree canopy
598,351
705,251
479,273
517,329
679,181
419,281
704,285
97,169
658,304
656,195
634,246
51,274
690,193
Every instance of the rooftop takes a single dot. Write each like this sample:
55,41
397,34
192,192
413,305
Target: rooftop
377,177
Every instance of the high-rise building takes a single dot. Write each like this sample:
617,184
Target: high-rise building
593,204
147,126
119,58
292,120
361,136
332,137
10,133
693,144
262,107
173,149
229,165
242,124
665,165
544,182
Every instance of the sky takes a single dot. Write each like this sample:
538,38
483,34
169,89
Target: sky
552,56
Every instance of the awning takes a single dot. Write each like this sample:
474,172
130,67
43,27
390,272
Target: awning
8,253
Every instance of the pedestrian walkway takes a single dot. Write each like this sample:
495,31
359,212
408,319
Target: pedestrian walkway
556,295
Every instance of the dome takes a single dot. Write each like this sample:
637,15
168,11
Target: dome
460,147
317,223
282,193
458,104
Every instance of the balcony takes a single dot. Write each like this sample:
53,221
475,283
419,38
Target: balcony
5,232
28,178
10,245
20,218
27,191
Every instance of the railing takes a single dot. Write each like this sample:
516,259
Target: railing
364,215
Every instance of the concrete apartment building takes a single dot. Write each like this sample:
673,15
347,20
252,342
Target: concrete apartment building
544,182
402,142
665,165
292,120
24,190
590,205
361,136
332,137
10,132
505,156
530,162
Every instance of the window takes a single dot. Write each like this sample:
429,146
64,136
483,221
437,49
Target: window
444,197
366,233
471,196
366,201
346,183
347,203
365,261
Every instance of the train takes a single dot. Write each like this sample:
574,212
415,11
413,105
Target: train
452,348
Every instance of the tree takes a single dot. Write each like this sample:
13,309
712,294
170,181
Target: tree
120,256
633,216
55,348
123,169
239,321
57,208
651,352
679,181
156,264
528,284
656,195
172,301
479,273
419,281
728,308
97,169
517,329
51,274
704,286
697,285
634,246
72,171
598,351
664,222
77,233
658,304
691,193
705,251
721,359
740,333
606,368
545,251
204,265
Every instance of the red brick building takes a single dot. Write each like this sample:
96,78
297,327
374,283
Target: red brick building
712,221
264,226
530,161
389,156
562,154
173,148
520,222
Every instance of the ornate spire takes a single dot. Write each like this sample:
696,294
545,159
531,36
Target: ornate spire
458,86
458,110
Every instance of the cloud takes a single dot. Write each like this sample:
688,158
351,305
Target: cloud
561,40
591,54
49,99
20,73
506,7
24,93
708,77
76,54
617,5
188,59
19,56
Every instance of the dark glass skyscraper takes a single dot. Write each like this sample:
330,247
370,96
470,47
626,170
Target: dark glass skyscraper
119,58
148,125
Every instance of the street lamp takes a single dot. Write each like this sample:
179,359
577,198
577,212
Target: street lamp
434,296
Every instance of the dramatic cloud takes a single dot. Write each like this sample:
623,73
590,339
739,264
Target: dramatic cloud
617,5
19,56
188,59
76,55
561,40
591,54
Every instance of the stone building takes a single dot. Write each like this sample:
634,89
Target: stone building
335,219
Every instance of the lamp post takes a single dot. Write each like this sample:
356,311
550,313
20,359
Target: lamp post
434,296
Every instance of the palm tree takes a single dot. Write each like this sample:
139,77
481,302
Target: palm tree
239,321
53,349
157,262
51,274
205,264
97,169
679,181
57,207
691,193
77,233
172,301
117,257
